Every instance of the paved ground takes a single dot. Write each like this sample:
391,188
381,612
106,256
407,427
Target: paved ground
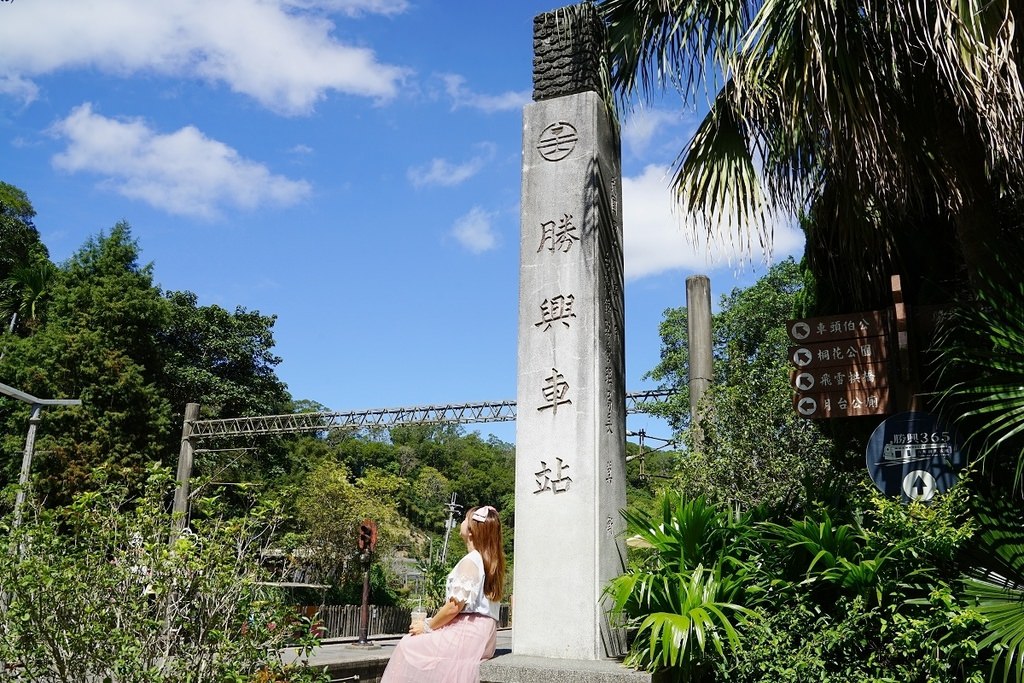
343,651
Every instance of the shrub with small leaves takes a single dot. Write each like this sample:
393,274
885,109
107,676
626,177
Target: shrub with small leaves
94,592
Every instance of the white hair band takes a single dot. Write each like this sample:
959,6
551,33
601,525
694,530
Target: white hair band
480,514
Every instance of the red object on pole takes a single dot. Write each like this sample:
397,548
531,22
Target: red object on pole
367,536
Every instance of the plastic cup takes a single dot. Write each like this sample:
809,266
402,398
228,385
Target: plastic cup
418,617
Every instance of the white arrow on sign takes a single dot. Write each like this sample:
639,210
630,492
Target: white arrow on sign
802,357
919,485
800,330
804,381
806,406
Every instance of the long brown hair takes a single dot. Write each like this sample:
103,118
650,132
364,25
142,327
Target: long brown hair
487,541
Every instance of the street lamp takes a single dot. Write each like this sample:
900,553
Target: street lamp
30,442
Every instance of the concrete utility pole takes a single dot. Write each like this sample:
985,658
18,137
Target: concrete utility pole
30,442
180,510
698,323
453,509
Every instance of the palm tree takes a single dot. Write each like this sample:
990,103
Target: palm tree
23,291
891,124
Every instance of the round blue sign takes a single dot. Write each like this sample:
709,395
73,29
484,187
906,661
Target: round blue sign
913,455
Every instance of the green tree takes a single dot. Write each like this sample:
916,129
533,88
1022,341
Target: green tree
896,124
23,294
221,360
99,345
23,258
135,357
752,448
483,472
19,239
429,492
330,506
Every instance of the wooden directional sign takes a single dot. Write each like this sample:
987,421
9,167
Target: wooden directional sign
848,403
839,352
839,377
840,364
843,326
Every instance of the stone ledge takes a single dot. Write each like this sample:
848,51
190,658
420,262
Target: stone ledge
524,669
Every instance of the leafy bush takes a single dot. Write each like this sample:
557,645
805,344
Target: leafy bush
93,591
685,597
878,598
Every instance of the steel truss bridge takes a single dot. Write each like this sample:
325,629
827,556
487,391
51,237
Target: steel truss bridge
462,413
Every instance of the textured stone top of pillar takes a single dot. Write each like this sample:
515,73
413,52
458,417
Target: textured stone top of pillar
569,44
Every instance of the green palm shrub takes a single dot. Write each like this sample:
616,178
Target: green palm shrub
995,581
874,599
688,594
716,596
831,555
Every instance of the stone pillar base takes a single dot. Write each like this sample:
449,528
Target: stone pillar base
524,669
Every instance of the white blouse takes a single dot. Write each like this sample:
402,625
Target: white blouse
465,583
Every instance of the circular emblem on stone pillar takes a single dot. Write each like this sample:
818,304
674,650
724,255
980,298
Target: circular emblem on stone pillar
557,141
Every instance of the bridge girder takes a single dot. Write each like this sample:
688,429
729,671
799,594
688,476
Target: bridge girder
461,413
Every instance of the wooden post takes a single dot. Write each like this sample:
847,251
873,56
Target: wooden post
181,492
907,396
26,462
698,317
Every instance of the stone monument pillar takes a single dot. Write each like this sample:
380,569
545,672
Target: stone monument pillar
570,425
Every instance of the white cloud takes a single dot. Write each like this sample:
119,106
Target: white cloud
475,232
642,125
461,96
657,239
183,172
447,174
285,59
354,8
19,88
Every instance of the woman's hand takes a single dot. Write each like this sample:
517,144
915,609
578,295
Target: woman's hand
448,611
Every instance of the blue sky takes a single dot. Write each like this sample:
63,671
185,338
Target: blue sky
352,166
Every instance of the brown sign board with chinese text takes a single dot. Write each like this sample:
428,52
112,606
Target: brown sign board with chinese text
848,403
840,326
839,352
839,377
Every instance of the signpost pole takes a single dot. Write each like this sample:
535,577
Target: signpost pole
367,542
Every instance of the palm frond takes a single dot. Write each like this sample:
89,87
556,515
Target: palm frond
682,619
982,365
717,180
656,44
995,581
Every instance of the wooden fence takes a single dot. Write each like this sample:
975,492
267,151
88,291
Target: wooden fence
342,621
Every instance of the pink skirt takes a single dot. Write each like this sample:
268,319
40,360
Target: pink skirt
451,654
